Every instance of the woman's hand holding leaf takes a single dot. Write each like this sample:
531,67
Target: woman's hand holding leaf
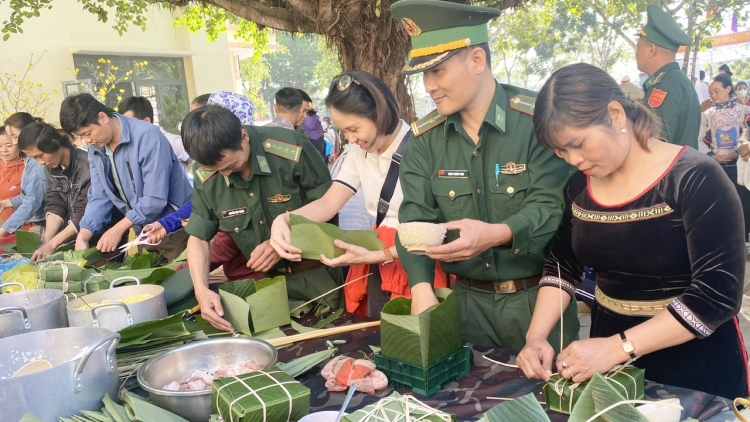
43,251
211,309
535,359
354,255
281,239
586,357
263,257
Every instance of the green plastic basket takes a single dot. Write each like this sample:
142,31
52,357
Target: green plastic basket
425,381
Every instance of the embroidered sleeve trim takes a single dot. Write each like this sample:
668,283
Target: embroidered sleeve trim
556,282
690,318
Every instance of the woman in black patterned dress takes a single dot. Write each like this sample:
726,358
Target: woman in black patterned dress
661,223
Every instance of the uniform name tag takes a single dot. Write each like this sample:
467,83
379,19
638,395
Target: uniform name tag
453,173
233,213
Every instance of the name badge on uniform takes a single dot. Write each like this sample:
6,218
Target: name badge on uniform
233,213
453,173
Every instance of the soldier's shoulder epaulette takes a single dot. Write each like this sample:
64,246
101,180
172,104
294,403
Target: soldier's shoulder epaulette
426,123
285,150
523,103
202,174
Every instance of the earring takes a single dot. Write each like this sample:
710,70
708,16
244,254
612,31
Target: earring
623,130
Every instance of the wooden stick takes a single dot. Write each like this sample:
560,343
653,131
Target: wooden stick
509,398
322,333
329,292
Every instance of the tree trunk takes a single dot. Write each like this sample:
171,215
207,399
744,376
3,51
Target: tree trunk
691,25
695,56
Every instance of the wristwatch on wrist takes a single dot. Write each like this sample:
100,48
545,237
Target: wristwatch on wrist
627,346
388,256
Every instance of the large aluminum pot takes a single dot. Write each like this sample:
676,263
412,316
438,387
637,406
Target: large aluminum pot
84,369
88,311
179,363
31,310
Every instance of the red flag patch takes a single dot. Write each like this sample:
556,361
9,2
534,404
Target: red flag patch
656,98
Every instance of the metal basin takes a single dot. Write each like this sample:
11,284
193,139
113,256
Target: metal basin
179,363
117,315
31,310
84,369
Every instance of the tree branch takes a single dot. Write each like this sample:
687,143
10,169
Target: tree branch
262,14
617,28
505,4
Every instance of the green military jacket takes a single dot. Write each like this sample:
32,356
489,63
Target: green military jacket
446,177
286,173
671,96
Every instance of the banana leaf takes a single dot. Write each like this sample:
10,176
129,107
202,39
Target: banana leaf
525,408
302,364
27,242
115,410
147,276
140,261
95,416
597,396
90,255
316,239
255,306
420,339
395,408
140,410
28,417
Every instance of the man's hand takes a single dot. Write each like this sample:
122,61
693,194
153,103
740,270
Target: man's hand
110,240
211,309
263,257
422,298
43,251
475,237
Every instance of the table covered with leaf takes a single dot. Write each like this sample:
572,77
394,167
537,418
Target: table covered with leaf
472,396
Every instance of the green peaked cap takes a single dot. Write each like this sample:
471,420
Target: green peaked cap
439,29
662,30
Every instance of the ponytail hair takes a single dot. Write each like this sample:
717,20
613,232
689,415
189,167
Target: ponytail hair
21,119
577,96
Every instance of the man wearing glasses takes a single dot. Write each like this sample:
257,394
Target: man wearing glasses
247,176
475,165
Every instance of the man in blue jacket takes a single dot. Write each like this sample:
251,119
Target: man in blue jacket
135,176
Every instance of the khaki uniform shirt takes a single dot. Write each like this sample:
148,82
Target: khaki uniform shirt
671,96
286,173
445,176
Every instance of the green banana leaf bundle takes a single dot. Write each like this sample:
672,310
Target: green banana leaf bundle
420,339
395,408
599,395
562,394
261,396
255,306
525,408
59,271
91,256
316,239
134,409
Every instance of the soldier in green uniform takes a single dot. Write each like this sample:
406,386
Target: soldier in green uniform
245,177
668,91
475,165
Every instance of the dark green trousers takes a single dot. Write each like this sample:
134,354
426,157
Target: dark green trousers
501,320
308,284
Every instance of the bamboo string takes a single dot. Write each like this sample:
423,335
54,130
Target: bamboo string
559,285
321,333
409,405
509,365
509,399
329,292
657,403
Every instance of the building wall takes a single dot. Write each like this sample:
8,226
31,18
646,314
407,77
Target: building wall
67,29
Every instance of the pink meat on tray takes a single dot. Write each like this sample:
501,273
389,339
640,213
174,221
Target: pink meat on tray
202,379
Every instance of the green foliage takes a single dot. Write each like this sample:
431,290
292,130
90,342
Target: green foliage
254,72
19,93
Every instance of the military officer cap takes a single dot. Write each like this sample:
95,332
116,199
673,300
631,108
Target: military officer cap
662,30
439,29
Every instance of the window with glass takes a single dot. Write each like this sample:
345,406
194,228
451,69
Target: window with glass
161,80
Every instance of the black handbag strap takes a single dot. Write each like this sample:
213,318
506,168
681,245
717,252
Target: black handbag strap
389,186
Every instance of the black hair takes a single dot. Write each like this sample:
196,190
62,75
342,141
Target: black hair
21,119
2,130
725,81
725,68
208,132
81,110
140,106
43,136
577,96
484,46
703,74
311,112
367,96
305,97
289,99
201,100
327,119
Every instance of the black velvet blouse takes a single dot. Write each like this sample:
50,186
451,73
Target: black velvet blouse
681,238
